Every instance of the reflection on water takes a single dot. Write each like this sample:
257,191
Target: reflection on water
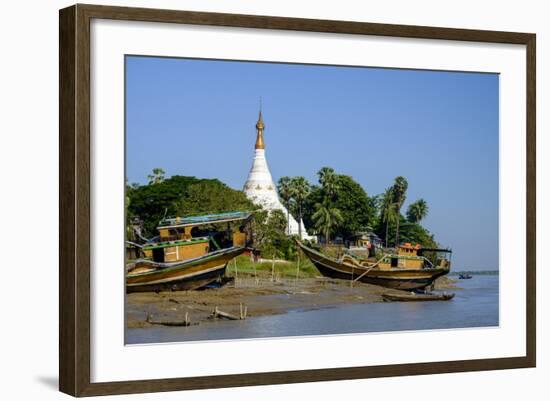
476,305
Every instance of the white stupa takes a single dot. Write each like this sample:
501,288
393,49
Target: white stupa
259,186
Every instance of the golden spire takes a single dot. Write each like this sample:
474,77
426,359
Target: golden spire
260,132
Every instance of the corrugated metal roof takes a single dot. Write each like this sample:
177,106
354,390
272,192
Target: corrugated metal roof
204,219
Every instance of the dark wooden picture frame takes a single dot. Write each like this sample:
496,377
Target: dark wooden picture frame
74,203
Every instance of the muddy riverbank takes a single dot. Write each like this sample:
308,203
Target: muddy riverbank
260,295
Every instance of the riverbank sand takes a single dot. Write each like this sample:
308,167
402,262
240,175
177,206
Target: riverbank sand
260,295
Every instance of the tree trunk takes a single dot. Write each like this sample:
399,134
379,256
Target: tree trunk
300,220
387,224
397,230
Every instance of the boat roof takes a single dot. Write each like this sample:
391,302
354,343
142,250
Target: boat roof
434,250
408,245
176,222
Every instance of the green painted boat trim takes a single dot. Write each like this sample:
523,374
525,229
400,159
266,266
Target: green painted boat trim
393,256
175,243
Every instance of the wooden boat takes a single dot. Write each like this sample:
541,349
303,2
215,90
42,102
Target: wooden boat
408,269
415,297
180,261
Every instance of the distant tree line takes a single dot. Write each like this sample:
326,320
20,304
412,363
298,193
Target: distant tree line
338,207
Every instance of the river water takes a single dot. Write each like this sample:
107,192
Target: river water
475,305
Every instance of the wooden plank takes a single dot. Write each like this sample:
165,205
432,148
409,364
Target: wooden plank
67,131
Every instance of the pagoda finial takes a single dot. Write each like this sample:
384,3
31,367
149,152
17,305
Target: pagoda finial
260,130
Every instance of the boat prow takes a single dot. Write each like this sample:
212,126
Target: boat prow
190,274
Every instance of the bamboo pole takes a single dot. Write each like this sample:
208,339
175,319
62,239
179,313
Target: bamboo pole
236,274
297,268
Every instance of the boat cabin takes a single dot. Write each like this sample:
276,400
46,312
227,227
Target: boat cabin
409,256
439,257
183,238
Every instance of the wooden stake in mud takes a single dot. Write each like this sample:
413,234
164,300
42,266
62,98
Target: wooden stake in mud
236,276
297,268
221,314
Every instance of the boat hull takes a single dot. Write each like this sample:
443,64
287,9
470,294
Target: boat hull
188,275
416,297
399,279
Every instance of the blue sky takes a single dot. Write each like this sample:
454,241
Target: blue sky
437,129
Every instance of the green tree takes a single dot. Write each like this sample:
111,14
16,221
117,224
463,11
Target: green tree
157,176
127,199
357,208
329,182
388,212
326,219
269,235
284,189
300,189
211,196
399,190
417,211
180,196
416,234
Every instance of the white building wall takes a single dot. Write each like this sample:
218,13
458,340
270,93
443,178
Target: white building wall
261,190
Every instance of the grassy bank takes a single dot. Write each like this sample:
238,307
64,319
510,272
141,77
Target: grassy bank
245,267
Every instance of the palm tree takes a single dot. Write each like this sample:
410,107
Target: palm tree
300,189
417,211
399,190
285,192
326,219
387,210
329,182
157,176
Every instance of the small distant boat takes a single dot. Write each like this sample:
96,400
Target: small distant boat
179,260
414,297
464,276
407,269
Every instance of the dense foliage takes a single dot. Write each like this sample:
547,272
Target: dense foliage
181,196
356,208
270,235
392,227
409,231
